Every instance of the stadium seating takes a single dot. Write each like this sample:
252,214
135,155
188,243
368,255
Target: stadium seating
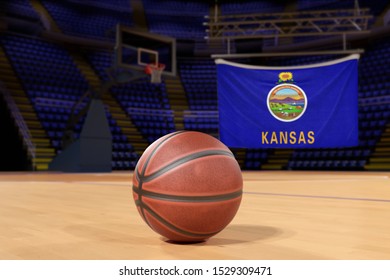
199,80
373,117
185,19
53,82
255,158
115,5
94,21
251,7
53,93
324,4
19,9
376,7
147,104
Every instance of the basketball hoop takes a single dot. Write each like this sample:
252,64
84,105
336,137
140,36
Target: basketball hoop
155,72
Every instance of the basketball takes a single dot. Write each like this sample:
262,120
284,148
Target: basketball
187,186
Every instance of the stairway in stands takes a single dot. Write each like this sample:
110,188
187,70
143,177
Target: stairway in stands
239,154
120,116
177,100
175,90
380,158
44,152
278,159
139,17
41,10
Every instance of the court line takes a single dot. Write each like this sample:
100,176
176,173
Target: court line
254,193
129,184
321,197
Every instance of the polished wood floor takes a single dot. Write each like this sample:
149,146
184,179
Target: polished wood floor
283,215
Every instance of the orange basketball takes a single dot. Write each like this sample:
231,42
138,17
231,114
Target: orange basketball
187,186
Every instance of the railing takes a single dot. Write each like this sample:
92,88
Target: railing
150,112
275,26
199,114
324,22
51,102
21,124
102,5
374,100
193,114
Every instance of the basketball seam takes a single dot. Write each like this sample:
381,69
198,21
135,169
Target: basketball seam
140,182
182,198
175,228
183,160
156,148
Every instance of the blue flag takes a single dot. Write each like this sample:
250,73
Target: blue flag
313,106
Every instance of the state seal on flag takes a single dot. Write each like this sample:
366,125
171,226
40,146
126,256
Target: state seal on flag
286,102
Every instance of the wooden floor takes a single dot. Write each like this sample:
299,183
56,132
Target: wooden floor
283,215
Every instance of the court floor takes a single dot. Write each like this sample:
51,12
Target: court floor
283,215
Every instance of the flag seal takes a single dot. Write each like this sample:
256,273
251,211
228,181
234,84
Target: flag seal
287,102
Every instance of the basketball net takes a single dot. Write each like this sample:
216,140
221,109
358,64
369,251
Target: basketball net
155,72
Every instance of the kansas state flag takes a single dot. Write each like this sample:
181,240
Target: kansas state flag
289,107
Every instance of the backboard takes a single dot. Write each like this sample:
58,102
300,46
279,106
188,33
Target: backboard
135,49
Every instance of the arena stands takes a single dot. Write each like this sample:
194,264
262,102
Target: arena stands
51,78
95,21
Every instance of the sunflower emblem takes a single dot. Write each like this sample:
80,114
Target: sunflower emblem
286,101
285,77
